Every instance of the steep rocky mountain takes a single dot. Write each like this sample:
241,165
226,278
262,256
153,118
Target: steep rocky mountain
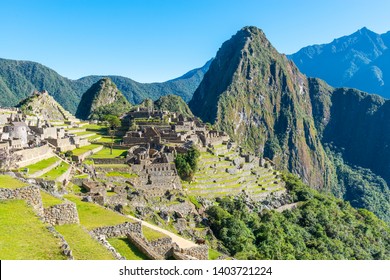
173,103
44,106
358,60
18,79
262,101
102,98
337,139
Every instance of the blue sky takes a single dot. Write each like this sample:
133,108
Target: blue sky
151,40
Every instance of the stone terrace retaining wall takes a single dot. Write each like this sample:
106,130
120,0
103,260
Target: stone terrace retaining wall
64,176
31,194
162,246
198,252
33,155
109,160
61,214
81,157
144,247
45,170
121,230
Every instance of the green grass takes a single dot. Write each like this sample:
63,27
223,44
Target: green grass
81,176
93,138
121,174
213,254
9,182
82,133
106,153
49,200
111,193
82,150
113,166
194,201
151,234
127,249
76,189
83,246
56,172
96,127
23,236
40,165
108,139
92,215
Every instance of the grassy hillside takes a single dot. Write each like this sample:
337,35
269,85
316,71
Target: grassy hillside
23,236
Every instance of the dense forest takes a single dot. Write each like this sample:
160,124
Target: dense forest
321,227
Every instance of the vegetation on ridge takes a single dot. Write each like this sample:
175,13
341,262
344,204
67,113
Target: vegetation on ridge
321,227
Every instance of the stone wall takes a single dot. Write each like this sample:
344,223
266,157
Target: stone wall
33,155
109,160
30,194
64,176
162,246
121,230
198,252
143,246
116,199
81,157
61,214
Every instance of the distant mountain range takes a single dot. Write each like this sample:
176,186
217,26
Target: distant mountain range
360,60
18,79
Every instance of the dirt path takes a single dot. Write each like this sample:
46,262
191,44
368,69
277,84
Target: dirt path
183,243
286,207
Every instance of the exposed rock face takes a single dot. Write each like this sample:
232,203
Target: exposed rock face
102,98
356,122
44,106
262,101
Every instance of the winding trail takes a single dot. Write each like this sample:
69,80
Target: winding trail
183,243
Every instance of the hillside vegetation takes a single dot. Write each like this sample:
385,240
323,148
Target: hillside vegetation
321,227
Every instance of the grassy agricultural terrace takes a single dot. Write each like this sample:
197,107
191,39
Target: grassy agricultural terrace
212,178
9,182
23,236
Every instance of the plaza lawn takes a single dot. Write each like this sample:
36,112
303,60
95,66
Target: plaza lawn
127,249
23,236
106,153
83,246
92,215
56,172
9,182
49,200
40,165
82,150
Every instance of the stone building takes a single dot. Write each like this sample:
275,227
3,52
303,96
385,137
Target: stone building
17,130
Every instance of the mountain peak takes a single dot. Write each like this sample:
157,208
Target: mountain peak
100,99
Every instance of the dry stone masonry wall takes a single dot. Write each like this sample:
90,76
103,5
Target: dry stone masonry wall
30,194
61,214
